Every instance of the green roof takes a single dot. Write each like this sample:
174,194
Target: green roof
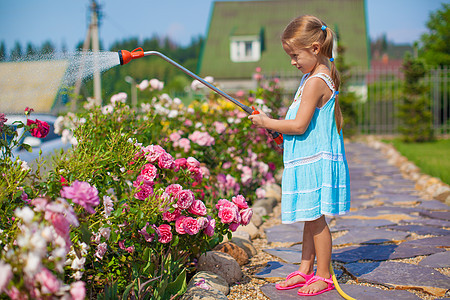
269,18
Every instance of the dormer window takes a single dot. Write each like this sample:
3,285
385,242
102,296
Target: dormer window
245,48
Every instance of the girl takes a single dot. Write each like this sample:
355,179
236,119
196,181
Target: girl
316,180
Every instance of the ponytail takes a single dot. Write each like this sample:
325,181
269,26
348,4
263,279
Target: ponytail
327,50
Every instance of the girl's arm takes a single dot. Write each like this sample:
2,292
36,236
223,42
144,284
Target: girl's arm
313,92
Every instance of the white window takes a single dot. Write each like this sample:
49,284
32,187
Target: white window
245,48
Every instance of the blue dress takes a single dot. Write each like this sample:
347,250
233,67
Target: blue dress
315,180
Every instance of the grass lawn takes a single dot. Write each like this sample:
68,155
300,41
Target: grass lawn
432,158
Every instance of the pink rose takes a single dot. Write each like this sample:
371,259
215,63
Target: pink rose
239,200
166,161
228,214
149,172
40,130
246,216
187,123
185,144
220,127
185,199
224,203
192,163
202,222
179,225
143,192
153,152
171,216
174,137
197,208
83,194
226,165
164,233
180,163
209,230
78,290
173,189
48,281
191,226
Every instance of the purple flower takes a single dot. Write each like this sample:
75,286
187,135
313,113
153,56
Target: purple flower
83,194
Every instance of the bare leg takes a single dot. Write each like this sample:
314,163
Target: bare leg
308,257
322,243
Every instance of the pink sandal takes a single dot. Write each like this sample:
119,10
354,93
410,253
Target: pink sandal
318,278
300,284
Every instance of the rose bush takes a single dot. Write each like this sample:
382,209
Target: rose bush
142,193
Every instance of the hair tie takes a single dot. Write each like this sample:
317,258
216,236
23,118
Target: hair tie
323,27
331,59
337,92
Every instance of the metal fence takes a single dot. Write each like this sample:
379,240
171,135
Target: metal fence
379,92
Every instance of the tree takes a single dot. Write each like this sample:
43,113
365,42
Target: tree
16,52
47,48
2,51
30,51
435,45
415,112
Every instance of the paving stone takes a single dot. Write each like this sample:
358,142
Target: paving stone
400,276
291,255
395,190
439,241
355,291
285,233
438,260
274,271
429,222
420,229
363,252
346,224
443,215
433,205
398,198
368,235
407,251
380,211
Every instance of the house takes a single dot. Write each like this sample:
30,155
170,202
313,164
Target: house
244,35
36,84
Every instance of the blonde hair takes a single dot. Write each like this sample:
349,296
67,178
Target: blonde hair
303,32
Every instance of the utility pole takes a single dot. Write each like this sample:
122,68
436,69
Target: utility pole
91,38
95,49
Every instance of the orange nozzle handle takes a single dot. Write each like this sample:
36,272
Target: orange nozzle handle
126,56
255,112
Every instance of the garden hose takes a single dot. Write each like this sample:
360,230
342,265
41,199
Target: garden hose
336,285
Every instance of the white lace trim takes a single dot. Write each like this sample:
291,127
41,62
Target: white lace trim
313,190
314,158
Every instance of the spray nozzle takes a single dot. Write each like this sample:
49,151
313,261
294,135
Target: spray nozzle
126,56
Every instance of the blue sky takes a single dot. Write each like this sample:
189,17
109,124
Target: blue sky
65,21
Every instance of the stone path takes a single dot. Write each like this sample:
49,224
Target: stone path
391,238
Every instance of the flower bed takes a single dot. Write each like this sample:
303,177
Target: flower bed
129,209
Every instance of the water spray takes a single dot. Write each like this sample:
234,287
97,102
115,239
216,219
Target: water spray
126,56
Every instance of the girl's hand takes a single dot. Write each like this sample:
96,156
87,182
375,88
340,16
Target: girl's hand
260,120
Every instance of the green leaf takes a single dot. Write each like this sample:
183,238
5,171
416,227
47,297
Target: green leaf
175,240
179,286
85,233
127,291
27,147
